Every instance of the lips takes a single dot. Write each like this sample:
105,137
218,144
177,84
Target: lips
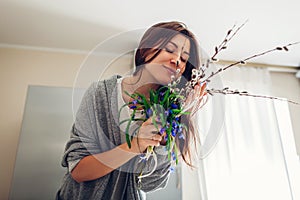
171,71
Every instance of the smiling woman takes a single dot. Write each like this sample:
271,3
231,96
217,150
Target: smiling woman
174,56
101,164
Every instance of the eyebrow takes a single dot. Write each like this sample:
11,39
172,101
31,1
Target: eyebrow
177,47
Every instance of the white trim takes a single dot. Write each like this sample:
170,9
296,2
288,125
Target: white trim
46,49
282,69
59,50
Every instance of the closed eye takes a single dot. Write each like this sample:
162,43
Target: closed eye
169,50
183,60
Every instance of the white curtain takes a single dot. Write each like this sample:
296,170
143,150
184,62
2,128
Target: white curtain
247,158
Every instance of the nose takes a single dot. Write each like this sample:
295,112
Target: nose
175,61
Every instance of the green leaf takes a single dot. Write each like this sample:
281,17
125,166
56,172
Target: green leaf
128,139
119,114
145,102
123,121
162,119
152,96
155,101
166,96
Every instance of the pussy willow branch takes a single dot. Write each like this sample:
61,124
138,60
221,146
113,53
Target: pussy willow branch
249,58
226,91
228,37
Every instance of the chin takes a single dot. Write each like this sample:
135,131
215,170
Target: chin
165,81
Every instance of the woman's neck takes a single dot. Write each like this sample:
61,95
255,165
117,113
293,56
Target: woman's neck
138,83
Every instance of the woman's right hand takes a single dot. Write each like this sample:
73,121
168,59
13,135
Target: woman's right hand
147,136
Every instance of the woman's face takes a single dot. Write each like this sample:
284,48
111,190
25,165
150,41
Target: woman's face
172,57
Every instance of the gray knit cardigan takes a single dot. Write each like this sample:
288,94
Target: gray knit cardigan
96,130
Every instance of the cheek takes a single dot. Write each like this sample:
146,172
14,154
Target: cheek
154,68
182,69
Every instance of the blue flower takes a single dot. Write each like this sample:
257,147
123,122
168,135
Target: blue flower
180,129
171,169
174,106
173,155
161,95
181,136
173,133
149,113
132,107
167,113
174,124
134,101
162,130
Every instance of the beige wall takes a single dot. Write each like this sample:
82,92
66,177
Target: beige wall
20,68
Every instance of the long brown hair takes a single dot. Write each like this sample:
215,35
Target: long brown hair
152,43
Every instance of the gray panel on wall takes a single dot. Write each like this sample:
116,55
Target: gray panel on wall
45,130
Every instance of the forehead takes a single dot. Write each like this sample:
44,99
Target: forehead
181,42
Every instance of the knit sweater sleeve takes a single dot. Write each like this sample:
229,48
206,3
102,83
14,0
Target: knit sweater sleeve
83,140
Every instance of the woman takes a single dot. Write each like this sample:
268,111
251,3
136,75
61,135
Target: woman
100,163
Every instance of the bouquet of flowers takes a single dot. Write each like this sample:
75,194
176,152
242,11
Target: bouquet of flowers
165,106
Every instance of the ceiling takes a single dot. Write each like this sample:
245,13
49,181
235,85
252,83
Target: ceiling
81,25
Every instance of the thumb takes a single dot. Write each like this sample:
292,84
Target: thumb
148,121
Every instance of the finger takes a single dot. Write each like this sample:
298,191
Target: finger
203,90
197,91
152,136
190,96
156,137
150,121
153,143
155,140
147,122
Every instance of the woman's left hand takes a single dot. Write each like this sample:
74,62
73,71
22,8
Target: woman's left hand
196,97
